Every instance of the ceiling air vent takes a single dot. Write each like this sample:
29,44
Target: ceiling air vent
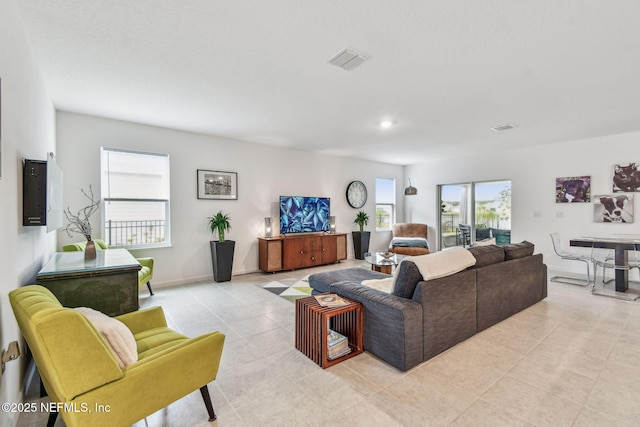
501,128
348,59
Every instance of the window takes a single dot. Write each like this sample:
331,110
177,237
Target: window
135,198
385,203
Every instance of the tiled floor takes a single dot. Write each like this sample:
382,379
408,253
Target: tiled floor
571,360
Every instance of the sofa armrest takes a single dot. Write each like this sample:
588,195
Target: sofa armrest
142,320
392,324
449,310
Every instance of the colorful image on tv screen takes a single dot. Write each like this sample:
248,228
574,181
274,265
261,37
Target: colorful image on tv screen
303,214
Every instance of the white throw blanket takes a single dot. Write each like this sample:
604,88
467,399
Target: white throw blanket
443,263
431,266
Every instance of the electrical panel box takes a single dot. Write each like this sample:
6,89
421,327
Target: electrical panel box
34,193
42,193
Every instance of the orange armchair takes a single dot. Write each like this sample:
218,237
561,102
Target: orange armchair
409,239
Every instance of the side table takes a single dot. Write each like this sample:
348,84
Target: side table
313,321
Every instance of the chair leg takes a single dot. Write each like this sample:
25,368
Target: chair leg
576,281
149,286
204,390
52,418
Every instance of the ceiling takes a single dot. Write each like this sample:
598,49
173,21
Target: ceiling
256,70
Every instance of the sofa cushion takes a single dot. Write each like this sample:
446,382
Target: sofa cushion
487,255
518,250
485,242
407,277
409,242
321,282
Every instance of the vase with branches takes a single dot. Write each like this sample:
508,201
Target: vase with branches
78,222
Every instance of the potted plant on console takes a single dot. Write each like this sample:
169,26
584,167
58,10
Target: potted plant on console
221,250
361,238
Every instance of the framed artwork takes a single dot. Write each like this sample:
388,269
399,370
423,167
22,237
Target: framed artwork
217,185
613,208
626,178
573,189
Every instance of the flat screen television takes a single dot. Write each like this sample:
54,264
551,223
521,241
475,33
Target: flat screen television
304,214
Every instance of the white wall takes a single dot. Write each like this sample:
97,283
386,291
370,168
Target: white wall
264,173
27,132
533,172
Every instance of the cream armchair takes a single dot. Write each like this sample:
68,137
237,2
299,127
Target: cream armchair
79,369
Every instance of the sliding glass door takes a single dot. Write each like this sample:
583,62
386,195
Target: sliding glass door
475,211
454,210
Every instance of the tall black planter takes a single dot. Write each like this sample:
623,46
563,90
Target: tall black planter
360,243
222,259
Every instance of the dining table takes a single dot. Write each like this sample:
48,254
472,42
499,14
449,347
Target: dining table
621,247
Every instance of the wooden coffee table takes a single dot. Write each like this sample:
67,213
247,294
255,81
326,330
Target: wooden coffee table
313,321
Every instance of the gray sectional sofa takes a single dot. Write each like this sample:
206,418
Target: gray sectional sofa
420,319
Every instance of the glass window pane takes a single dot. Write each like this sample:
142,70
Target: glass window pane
134,223
384,216
386,191
385,202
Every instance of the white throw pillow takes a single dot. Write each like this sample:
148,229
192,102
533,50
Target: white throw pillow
485,242
115,333
384,285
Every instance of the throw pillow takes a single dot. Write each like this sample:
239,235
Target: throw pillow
383,285
407,277
115,333
487,255
518,250
485,242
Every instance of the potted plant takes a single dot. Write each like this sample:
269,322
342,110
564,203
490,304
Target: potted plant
221,250
361,238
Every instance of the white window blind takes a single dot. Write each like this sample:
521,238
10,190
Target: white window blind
135,192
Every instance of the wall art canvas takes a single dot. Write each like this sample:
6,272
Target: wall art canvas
573,189
217,185
613,208
626,178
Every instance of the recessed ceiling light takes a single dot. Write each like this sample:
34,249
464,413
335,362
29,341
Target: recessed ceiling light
386,124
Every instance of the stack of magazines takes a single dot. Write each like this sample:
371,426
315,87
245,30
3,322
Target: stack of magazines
338,345
330,300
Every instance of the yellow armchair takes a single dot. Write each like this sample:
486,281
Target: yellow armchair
79,370
144,275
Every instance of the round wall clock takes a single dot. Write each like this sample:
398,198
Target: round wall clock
356,194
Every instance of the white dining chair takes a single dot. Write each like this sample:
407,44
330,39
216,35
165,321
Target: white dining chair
557,247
